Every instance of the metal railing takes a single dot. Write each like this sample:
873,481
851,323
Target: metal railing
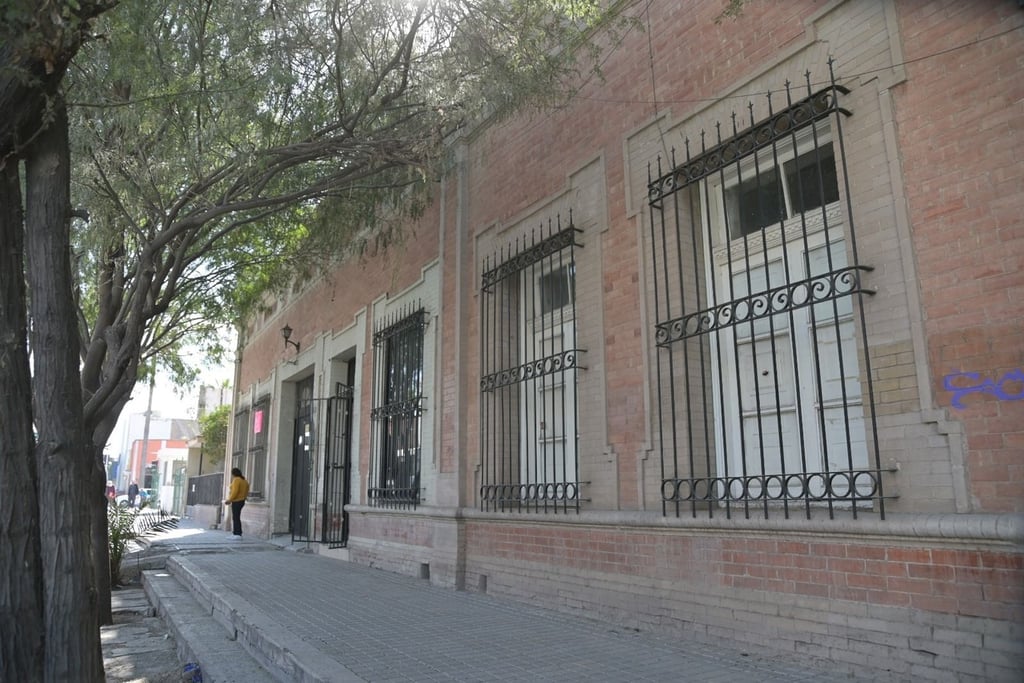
206,489
153,520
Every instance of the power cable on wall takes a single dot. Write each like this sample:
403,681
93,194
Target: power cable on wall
654,83
697,100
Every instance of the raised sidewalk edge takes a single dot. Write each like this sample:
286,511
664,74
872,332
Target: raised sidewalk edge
285,656
199,638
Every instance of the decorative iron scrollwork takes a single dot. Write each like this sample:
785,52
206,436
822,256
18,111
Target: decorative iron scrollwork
553,244
782,124
532,370
851,486
511,495
410,408
793,295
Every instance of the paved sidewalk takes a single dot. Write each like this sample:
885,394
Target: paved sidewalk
307,617
137,646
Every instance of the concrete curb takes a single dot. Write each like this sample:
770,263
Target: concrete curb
199,638
285,656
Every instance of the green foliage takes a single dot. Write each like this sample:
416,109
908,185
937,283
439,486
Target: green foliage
224,151
214,429
120,532
733,10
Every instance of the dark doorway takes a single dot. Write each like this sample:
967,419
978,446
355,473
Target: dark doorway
303,458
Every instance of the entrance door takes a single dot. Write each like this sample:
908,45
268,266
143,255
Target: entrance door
303,457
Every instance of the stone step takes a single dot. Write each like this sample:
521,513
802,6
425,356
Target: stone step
284,654
137,645
201,638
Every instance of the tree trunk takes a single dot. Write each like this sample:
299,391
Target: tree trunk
37,42
99,531
21,100
21,585
63,451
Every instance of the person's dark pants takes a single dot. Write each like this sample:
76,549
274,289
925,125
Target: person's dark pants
236,517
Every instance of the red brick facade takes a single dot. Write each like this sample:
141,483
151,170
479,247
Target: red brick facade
963,176
933,590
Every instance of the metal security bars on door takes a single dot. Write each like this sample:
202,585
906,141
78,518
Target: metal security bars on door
764,384
529,431
314,517
398,409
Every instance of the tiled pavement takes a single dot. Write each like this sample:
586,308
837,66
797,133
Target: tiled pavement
307,617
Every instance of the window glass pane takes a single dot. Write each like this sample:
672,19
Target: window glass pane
403,367
811,179
556,289
755,203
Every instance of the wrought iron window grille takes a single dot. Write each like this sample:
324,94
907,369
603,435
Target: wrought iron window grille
240,436
257,457
530,360
398,409
764,388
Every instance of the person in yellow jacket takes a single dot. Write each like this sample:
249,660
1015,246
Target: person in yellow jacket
236,499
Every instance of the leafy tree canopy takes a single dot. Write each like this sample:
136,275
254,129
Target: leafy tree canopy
222,147
213,146
214,430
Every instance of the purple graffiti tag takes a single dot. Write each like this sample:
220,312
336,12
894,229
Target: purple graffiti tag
954,382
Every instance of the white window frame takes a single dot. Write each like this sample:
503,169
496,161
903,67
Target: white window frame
766,244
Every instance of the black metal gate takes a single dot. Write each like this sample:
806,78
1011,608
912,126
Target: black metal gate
334,528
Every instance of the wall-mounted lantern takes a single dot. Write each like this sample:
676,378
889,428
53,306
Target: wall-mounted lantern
286,332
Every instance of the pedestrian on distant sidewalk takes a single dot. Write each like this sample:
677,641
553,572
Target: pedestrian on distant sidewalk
236,499
133,493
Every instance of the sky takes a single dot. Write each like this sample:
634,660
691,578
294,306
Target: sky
170,401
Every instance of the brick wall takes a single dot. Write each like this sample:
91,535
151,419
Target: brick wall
933,169
329,303
899,608
960,122
407,542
